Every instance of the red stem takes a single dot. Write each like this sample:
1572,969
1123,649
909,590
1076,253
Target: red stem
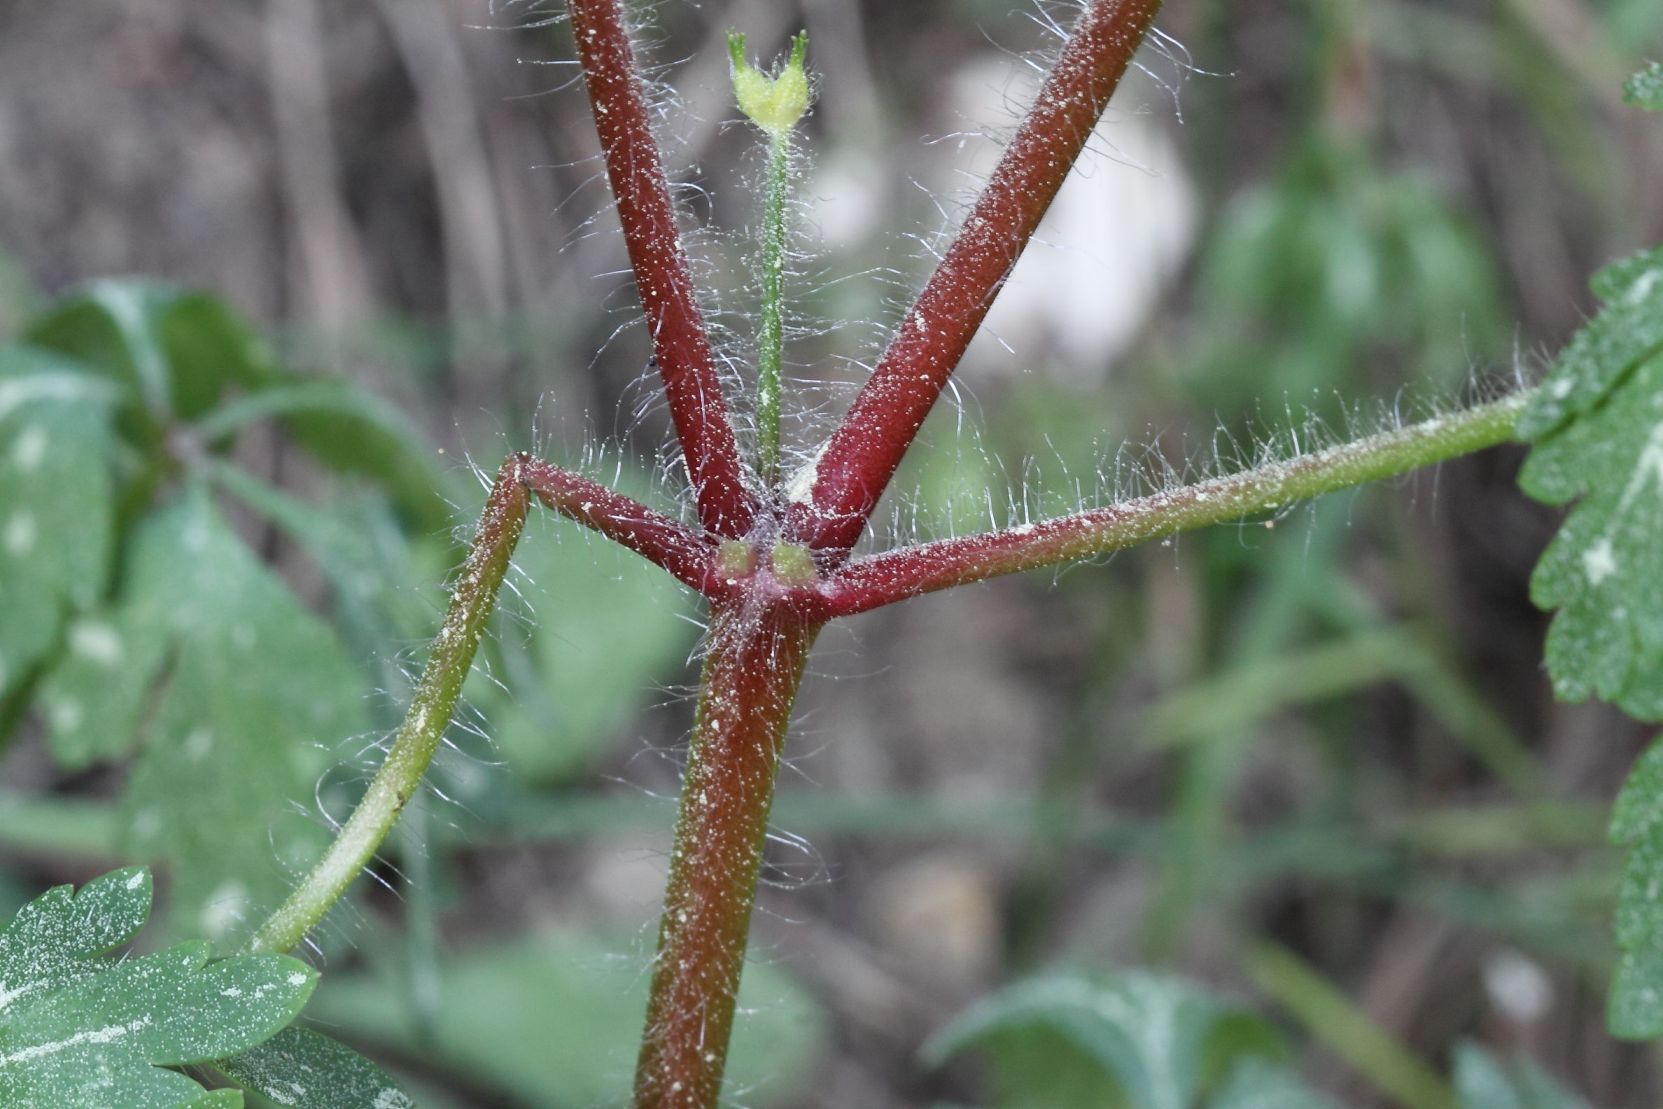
680,343
750,679
688,556
882,579
885,417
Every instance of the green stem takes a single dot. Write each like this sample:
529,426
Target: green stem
771,336
424,725
1326,1012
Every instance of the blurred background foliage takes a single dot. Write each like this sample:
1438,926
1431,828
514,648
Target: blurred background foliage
1305,770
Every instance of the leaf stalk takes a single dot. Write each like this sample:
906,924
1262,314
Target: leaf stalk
424,724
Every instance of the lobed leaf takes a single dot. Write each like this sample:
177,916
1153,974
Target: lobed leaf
1256,1084
1598,425
304,1069
1484,1082
353,432
1599,357
257,692
1635,1007
179,354
79,1030
175,350
1154,1042
94,697
56,501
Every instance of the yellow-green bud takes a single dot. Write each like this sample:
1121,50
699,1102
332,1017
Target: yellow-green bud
735,559
793,565
775,103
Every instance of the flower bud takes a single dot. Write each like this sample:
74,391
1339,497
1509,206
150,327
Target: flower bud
775,103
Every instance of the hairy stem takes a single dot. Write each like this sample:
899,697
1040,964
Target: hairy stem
681,344
895,575
424,725
750,679
689,557
771,334
863,453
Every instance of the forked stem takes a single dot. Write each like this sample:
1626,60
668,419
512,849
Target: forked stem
684,554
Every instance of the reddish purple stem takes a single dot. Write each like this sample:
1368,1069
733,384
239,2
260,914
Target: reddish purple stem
680,342
885,417
688,556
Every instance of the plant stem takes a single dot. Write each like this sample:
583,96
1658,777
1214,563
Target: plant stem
867,447
750,680
883,579
430,711
771,334
681,343
687,556
1317,1004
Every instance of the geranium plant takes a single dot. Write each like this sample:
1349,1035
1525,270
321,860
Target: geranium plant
770,547
771,550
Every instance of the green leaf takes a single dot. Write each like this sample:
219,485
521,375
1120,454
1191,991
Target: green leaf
1157,1043
1484,1082
217,1099
1256,1084
80,1030
353,432
568,695
1602,354
1635,1007
304,1069
1645,88
1336,258
94,696
555,1022
257,694
176,349
180,351
1639,806
1634,1010
56,501
1598,422
375,573
1598,426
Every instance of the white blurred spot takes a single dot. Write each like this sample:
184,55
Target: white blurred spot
224,908
1599,562
198,744
96,642
65,715
20,533
1517,986
1115,236
30,448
